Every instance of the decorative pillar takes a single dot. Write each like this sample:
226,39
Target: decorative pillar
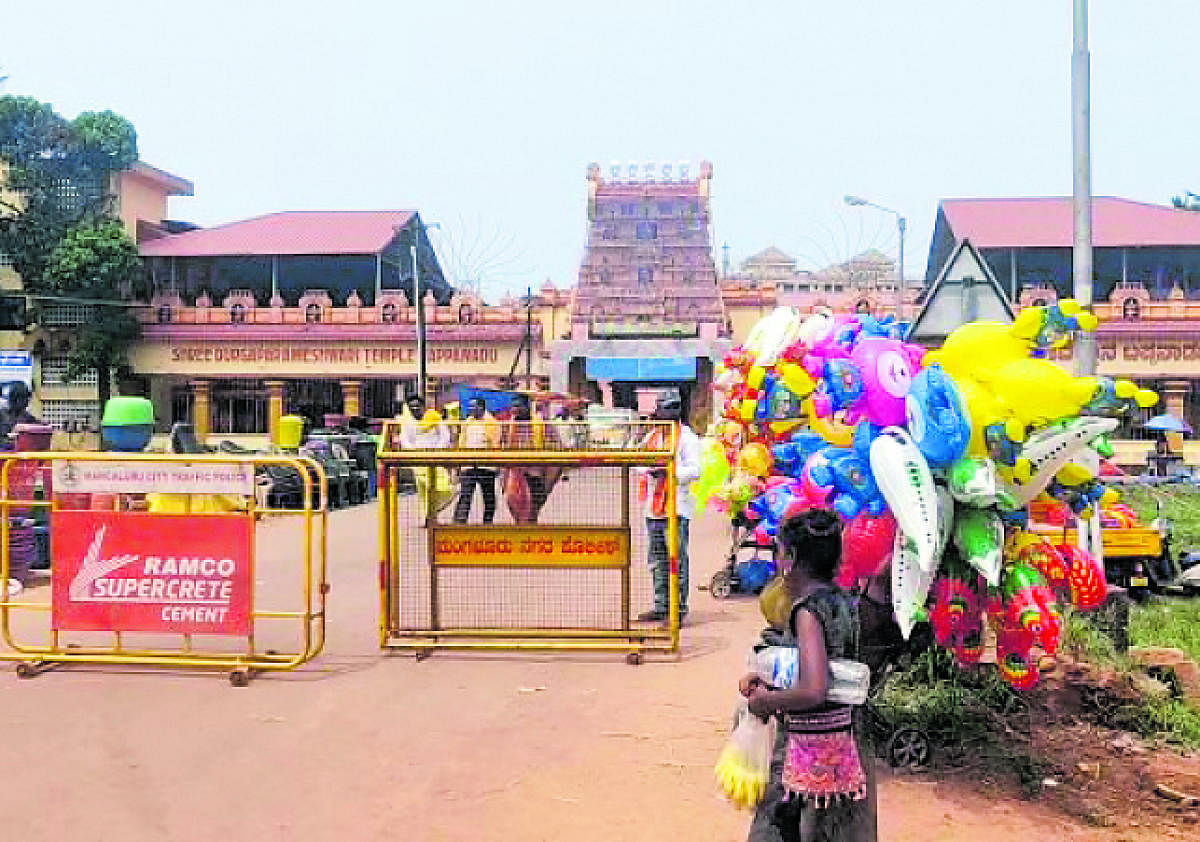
275,408
352,397
201,408
1174,394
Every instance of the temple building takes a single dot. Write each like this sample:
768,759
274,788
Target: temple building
647,311
314,313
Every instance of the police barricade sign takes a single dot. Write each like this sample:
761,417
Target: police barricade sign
129,571
530,546
154,561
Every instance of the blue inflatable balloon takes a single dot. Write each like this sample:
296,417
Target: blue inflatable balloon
791,456
937,417
854,488
843,383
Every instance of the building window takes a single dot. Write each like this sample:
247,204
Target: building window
629,209
647,230
66,315
388,313
312,314
644,275
239,406
164,314
466,314
54,373
63,414
863,307
6,259
181,405
1131,309
666,208
237,314
608,232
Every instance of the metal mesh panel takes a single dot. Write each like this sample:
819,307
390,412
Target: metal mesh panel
534,599
526,598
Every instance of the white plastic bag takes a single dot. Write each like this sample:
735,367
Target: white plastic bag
744,767
779,666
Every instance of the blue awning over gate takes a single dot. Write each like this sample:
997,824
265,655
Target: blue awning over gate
641,368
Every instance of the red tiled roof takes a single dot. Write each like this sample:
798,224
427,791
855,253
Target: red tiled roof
290,232
1047,222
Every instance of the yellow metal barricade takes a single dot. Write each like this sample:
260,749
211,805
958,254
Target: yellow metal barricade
562,565
156,560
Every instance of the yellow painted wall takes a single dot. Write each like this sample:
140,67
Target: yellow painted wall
744,317
138,198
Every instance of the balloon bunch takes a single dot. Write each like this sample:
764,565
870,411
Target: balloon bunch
931,458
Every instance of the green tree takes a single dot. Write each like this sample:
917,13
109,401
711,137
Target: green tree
56,176
58,227
98,263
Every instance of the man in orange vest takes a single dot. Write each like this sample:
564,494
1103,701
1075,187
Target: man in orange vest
687,471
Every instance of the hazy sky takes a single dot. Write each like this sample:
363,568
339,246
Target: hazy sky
484,115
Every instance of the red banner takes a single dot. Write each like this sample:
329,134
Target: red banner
132,571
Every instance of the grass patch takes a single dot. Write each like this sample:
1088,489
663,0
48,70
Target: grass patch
1085,642
1171,719
951,704
1167,622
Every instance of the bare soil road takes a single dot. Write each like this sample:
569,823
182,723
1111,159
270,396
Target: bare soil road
365,746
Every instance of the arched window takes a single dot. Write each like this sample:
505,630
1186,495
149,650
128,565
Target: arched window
863,306
164,314
388,313
237,314
466,314
1131,309
312,314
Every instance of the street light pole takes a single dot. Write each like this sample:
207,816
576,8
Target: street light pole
1081,141
902,224
421,381
419,229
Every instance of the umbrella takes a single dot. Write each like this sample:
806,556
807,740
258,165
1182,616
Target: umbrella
1167,423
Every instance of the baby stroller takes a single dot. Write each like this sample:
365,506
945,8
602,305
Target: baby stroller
750,565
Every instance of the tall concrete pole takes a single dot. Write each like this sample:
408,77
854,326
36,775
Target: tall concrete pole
421,378
1081,137
1087,532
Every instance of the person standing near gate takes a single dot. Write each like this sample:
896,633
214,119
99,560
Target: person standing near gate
479,431
687,471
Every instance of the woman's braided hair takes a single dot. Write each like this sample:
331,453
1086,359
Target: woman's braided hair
812,539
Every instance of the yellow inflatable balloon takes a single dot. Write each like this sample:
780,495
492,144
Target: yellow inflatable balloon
755,458
1002,383
714,471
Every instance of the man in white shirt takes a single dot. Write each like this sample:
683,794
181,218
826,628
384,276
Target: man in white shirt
478,431
687,471
418,434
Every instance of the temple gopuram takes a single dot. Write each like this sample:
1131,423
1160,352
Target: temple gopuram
647,313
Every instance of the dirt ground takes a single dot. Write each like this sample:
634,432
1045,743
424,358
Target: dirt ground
374,747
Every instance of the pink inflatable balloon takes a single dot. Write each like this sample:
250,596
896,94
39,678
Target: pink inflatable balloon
887,367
